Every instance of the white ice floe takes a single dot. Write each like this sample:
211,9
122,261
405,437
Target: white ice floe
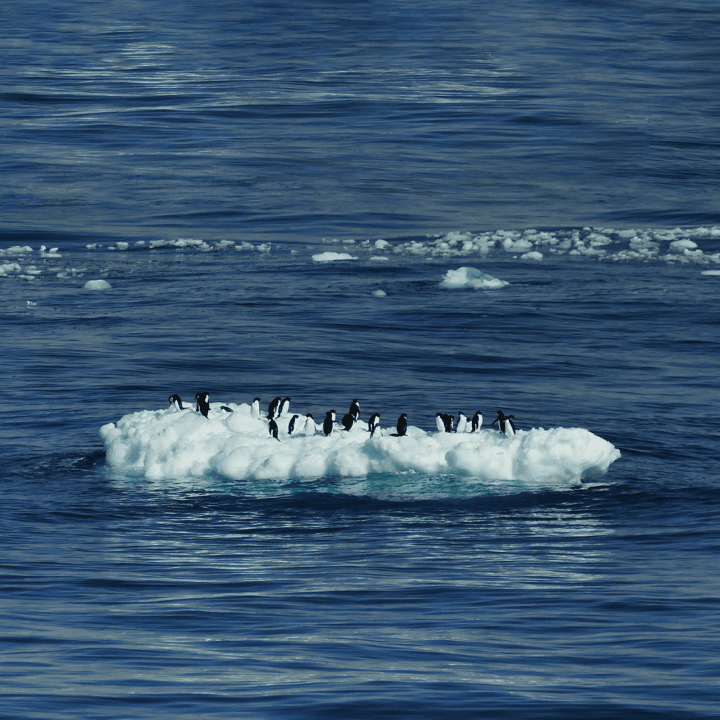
97,285
164,444
8,268
15,250
332,256
469,277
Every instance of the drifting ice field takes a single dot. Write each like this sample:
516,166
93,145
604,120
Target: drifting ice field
169,443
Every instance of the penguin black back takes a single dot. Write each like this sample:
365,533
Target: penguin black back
402,425
354,410
272,426
348,421
203,403
274,406
328,423
291,425
374,423
176,400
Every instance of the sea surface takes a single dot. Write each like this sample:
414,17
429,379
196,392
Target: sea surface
274,193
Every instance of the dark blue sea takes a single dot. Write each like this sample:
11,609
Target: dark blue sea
272,194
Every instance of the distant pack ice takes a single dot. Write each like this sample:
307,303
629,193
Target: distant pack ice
159,444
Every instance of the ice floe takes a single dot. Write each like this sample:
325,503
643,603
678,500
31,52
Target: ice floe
172,443
469,277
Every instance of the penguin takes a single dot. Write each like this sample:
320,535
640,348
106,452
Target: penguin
504,423
284,407
176,401
203,403
448,420
402,425
309,425
328,423
273,407
477,421
226,408
291,426
348,421
374,423
255,410
461,423
272,426
354,410
440,422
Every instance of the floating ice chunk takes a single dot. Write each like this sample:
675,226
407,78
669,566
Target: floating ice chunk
468,277
379,293
534,255
516,245
7,268
380,258
16,250
680,245
710,272
381,244
169,444
332,256
97,285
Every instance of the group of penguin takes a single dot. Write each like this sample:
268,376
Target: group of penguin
445,422
280,407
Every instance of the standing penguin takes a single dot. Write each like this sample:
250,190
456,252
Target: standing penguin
374,423
309,425
255,409
448,420
402,425
291,425
176,402
203,404
348,421
354,410
461,423
272,426
505,423
284,407
273,407
477,421
328,422
440,422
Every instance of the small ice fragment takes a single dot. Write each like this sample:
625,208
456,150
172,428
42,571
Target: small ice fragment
97,285
331,256
468,277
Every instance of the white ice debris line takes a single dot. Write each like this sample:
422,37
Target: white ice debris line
169,443
672,246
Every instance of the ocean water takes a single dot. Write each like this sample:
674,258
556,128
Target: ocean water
274,193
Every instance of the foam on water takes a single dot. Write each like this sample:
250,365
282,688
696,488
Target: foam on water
160,444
